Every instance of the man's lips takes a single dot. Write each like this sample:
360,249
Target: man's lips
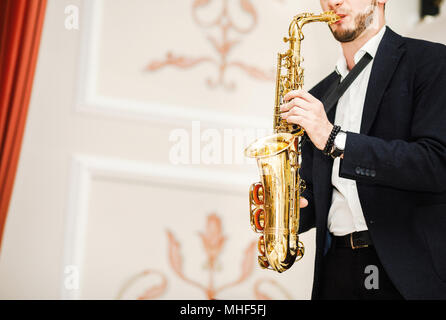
342,16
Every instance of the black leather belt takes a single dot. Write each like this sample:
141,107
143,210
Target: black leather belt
355,240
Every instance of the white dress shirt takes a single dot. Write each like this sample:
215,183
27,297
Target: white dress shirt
346,215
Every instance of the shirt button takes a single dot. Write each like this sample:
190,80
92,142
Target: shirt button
372,173
358,170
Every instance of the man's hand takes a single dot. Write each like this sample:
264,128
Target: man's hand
303,202
308,112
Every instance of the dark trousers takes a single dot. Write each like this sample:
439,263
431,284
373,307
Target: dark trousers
358,274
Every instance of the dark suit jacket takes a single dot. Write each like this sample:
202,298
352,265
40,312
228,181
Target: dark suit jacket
399,163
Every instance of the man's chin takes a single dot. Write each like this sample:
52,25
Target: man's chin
344,35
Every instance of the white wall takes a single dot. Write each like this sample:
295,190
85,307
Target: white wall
96,188
432,28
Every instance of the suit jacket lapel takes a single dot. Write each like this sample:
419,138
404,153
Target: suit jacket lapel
385,62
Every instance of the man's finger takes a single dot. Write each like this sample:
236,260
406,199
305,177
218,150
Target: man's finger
295,120
296,102
303,202
299,94
296,111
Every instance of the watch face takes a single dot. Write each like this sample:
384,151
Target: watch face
340,140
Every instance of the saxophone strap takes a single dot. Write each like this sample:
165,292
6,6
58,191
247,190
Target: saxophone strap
337,90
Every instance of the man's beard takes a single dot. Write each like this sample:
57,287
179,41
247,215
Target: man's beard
362,21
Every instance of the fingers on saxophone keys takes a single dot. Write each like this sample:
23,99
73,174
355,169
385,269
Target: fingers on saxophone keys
298,94
285,107
288,106
296,102
296,120
292,94
295,111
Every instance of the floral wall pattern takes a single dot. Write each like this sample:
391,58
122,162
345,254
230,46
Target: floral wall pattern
213,241
223,45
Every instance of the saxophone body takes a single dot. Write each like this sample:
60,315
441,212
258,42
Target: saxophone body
274,201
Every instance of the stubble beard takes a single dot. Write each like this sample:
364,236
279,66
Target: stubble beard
362,21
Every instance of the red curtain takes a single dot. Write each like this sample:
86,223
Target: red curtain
21,24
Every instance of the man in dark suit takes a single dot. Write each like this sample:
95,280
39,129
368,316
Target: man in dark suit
376,165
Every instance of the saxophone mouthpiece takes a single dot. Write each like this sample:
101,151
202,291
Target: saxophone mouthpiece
333,17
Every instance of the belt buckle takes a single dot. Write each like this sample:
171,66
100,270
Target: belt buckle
356,247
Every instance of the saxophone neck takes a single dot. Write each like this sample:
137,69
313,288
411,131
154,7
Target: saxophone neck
295,34
327,16
302,19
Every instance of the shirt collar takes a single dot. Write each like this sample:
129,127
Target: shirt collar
371,47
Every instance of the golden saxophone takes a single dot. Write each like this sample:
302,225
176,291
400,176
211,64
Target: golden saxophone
274,202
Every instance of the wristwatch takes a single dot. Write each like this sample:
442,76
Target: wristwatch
339,144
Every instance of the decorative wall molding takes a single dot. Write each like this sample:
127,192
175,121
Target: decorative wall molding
89,101
85,168
222,45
